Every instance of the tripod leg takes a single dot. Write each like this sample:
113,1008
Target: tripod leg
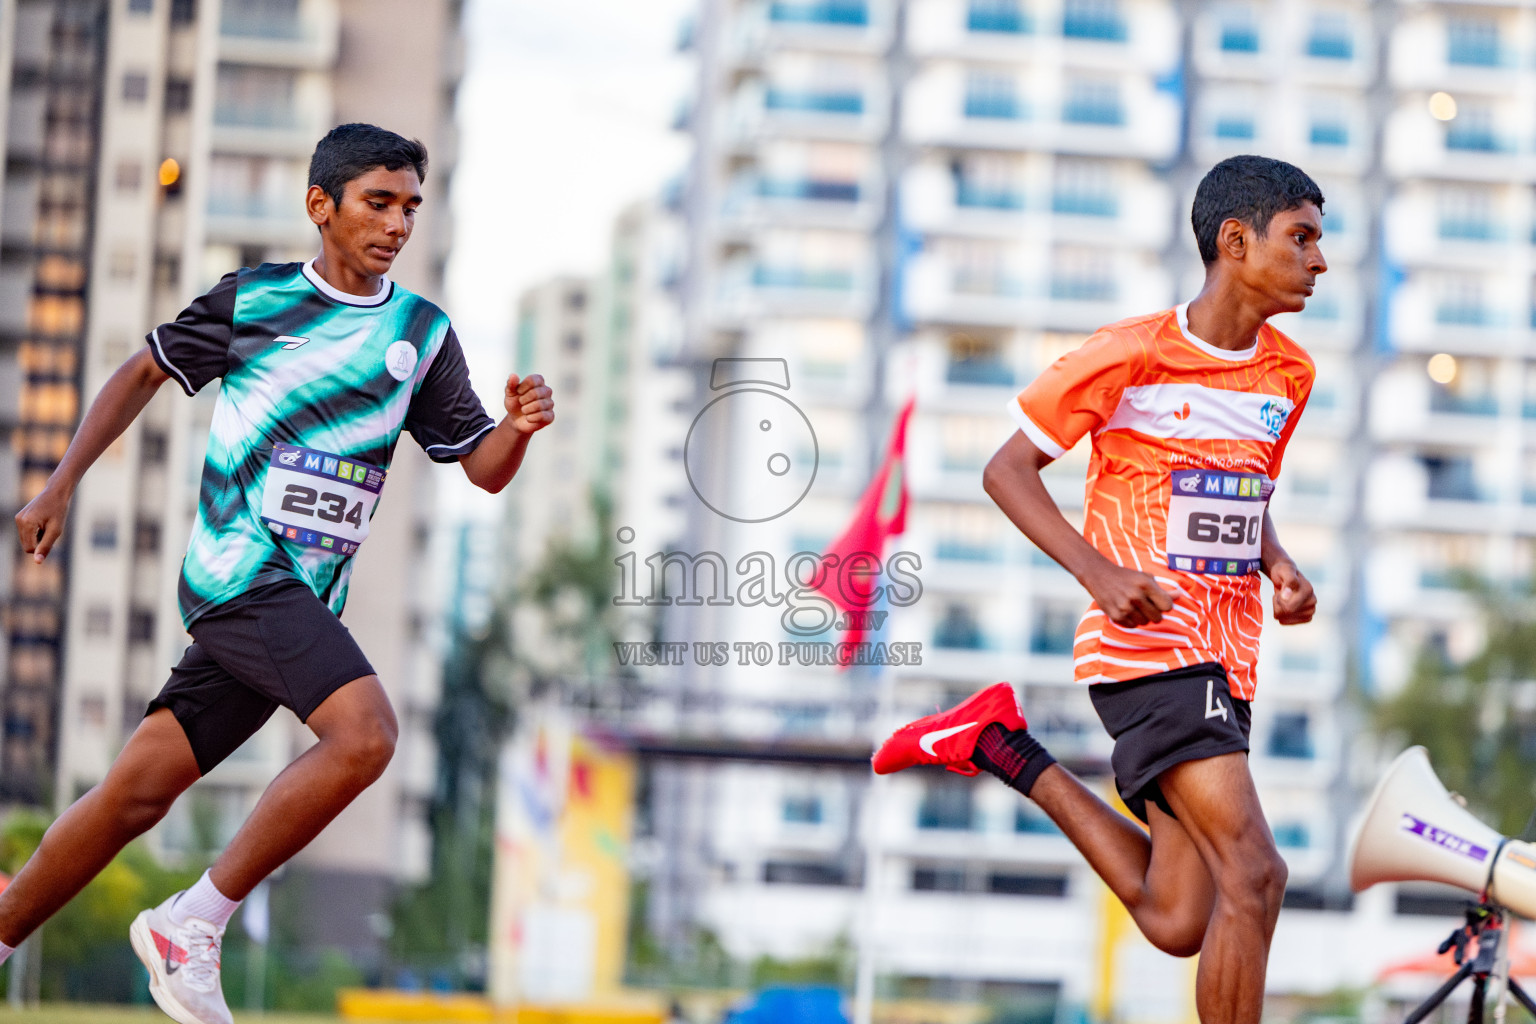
1479,996
1428,1006
1522,997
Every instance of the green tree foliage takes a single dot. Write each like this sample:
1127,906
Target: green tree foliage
85,951
1478,718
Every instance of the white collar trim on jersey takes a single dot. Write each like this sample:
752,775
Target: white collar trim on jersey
1231,355
329,290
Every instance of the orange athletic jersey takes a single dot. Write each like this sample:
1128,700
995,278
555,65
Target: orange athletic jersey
1187,441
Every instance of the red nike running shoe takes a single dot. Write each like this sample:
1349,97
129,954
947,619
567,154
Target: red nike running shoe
949,737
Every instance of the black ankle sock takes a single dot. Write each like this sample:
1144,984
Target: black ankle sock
1015,757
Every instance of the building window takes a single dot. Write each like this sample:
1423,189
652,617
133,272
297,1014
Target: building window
135,86
1082,275
1054,629
1234,126
802,809
996,16
947,805
1084,188
573,341
1291,736
1093,19
1329,133
990,94
153,447
938,879
141,626
1093,102
140,6
178,95
104,534
1472,41
959,630
1331,37
1473,131
183,12
804,873
1048,886
1292,835
1239,35
146,538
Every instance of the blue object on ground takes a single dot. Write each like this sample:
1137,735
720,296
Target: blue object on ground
792,1006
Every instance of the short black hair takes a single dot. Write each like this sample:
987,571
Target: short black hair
1251,188
349,151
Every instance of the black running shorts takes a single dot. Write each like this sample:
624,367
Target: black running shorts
1162,720
276,645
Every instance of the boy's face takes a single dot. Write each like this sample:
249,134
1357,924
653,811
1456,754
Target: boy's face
1284,262
374,219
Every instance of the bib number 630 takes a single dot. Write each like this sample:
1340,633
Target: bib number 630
1208,527
300,499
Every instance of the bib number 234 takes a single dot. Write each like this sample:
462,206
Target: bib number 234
318,499
1216,521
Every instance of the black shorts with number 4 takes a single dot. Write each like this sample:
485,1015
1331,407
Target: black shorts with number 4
277,645
1162,720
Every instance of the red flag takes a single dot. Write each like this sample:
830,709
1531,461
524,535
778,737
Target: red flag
850,580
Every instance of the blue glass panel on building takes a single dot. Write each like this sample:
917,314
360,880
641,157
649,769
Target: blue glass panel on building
1093,19
1325,133
826,191
970,195
1234,128
815,102
1085,204
1239,39
1329,46
993,105
1005,16
827,12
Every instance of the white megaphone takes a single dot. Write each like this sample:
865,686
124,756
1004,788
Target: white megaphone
1415,831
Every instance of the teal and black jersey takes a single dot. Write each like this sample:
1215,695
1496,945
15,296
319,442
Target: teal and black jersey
317,385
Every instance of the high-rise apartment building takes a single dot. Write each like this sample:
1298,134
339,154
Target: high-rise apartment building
937,198
154,145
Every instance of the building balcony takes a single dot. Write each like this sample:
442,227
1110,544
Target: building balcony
270,131
306,39
1134,213
1145,37
1407,406
778,111
938,291
1425,319
1419,233
857,26
1426,56
750,289
250,220
755,202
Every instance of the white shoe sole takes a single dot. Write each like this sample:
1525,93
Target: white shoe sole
144,945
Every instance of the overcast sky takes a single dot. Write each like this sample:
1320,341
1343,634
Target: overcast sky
564,118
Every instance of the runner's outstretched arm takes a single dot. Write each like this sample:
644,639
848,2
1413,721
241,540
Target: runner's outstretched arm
1295,602
122,398
530,407
1012,480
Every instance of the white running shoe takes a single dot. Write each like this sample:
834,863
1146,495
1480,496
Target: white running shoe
183,963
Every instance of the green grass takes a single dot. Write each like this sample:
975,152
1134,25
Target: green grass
68,1014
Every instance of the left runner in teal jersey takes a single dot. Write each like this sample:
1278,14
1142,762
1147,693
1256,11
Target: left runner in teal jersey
321,366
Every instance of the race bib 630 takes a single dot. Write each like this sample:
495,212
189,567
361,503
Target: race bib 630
319,499
1216,521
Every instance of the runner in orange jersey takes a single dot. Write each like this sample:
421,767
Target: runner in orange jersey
1190,411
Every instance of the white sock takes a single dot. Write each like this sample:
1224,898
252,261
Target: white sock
203,901
5,952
